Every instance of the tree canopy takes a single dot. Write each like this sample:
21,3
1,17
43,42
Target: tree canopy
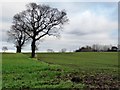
38,21
17,35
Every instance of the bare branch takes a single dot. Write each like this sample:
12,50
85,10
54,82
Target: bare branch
38,21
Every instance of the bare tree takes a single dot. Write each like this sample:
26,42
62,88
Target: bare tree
50,50
4,48
63,50
16,34
40,21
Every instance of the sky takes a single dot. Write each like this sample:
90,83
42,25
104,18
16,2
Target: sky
89,23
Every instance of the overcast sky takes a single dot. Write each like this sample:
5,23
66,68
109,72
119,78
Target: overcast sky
89,23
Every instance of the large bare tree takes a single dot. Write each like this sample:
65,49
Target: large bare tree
40,21
17,35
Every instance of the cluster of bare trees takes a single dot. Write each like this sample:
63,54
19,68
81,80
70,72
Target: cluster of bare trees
34,23
97,48
62,50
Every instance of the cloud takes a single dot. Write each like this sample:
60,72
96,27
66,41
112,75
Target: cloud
60,1
5,26
90,23
87,22
9,9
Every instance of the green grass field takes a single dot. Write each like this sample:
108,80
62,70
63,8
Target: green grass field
60,70
85,60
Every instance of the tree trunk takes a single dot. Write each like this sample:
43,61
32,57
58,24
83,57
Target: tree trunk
33,49
18,49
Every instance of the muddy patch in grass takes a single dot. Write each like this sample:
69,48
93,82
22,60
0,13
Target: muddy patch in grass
97,80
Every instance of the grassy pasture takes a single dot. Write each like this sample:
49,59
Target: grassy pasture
20,71
86,60
57,70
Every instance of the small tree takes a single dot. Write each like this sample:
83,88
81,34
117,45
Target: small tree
4,48
17,34
63,50
50,50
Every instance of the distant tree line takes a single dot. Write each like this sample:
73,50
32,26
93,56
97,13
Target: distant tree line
98,48
62,50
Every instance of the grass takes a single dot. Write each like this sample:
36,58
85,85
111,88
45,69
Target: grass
60,70
19,71
85,60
